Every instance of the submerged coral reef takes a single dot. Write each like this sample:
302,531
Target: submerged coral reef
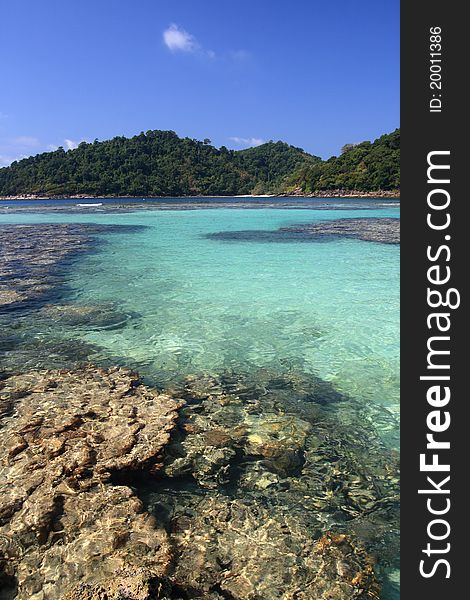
212,489
31,257
381,230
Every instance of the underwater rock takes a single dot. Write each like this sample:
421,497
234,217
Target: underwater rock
246,552
127,585
92,538
274,440
99,316
221,428
381,230
31,257
21,349
321,200
280,439
61,522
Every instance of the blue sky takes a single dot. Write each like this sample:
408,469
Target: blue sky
314,74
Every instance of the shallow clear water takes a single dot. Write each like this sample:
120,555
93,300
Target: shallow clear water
327,308
192,305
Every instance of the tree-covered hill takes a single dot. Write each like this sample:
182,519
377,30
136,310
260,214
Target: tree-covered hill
156,163
368,166
159,163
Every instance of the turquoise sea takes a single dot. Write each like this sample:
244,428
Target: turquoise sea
193,304
330,308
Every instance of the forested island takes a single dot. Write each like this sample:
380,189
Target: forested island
159,163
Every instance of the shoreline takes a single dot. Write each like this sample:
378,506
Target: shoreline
319,194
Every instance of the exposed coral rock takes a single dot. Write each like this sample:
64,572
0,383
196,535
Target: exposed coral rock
61,521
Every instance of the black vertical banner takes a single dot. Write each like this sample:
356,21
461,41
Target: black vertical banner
434,299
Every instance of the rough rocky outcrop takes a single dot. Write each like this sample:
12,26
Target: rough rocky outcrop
341,193
62,523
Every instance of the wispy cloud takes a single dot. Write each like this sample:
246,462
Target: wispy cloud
179,40
68,144
246,141
22,146
71,144
16,148
6,160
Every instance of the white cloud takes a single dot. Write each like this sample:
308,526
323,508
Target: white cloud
16,148
5,161
243,141
22,146
67,144
71,144
179,40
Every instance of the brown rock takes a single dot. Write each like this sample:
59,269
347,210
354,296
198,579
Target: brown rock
248,552
63,522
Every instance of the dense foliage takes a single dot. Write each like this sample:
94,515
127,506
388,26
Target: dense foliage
366,167
159,163
156,163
